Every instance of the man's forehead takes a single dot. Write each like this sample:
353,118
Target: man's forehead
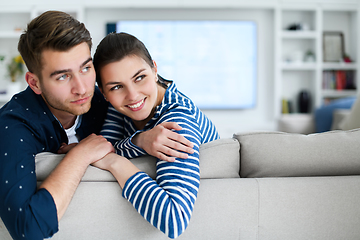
72,59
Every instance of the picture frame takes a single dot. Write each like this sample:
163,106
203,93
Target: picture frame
333,46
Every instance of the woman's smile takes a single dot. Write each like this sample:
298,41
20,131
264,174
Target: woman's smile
137,106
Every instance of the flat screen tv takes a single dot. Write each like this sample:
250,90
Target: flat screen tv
212,62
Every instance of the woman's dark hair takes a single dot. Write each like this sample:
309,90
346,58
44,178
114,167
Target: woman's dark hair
116,46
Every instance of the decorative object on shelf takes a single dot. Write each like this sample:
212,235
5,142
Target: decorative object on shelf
298,27
297,56
347,58
304,101
2,66
309,56
16,67
333,44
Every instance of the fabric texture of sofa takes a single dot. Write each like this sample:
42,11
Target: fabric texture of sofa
259,185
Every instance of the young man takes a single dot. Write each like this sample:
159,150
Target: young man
58,112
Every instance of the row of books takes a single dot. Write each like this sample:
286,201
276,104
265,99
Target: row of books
287,106
339,79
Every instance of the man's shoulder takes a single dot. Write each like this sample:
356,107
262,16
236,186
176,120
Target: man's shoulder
25,104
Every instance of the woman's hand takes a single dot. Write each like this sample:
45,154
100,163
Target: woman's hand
120,167
163,143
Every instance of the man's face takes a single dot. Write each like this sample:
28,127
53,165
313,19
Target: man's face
68,81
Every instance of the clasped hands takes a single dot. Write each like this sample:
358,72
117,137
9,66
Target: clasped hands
161,142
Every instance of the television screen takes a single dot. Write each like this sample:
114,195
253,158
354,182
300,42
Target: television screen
212,62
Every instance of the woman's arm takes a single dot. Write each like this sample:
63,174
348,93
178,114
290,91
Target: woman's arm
161,142
168,202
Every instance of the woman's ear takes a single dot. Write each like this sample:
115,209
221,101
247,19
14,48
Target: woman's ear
155,68
33,82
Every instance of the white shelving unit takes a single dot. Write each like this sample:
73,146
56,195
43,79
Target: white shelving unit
293,74
13,21
290,76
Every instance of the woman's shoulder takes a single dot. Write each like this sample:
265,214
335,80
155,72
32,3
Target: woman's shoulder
176,99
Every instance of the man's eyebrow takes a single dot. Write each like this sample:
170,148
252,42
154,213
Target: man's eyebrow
69,70
84,63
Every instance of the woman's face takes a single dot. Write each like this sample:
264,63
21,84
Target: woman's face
130,86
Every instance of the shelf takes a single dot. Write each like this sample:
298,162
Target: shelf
338,93
299,34
10,34
298,66
339,66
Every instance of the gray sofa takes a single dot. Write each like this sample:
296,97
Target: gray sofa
259,185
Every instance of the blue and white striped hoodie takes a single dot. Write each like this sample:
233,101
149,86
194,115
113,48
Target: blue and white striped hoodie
168,202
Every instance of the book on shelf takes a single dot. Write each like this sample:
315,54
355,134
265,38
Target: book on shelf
339,80
287,107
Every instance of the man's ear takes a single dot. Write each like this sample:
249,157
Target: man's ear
33,82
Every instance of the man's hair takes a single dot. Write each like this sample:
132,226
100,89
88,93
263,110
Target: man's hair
52,30
116,46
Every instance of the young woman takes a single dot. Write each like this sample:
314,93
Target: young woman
140,100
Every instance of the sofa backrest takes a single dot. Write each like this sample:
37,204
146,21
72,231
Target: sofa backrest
276,154
218,159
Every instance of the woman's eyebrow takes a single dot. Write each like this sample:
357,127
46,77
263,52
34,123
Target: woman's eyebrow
137,73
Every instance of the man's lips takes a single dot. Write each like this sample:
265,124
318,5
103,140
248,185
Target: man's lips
81,101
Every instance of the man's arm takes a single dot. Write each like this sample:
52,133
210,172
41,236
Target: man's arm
28,212
64,180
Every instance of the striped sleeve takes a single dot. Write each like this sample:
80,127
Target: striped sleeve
114,129
168,202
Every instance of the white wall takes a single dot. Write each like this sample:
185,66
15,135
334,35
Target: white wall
227,122
97,13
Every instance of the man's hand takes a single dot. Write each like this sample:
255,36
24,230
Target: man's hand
163,143
92,148
65,148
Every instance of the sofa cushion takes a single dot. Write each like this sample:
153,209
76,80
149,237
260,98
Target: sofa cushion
218,159
352,121
276,154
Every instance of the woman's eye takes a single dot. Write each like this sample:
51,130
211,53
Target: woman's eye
115,87
139,78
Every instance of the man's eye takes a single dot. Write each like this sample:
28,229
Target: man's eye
85,69
115,87
63,77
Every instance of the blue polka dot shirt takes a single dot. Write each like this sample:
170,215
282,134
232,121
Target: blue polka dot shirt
27,127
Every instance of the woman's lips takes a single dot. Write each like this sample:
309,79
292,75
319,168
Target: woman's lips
137,106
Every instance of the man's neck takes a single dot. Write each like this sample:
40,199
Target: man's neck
66,119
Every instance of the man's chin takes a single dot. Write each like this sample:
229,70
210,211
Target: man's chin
81,110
